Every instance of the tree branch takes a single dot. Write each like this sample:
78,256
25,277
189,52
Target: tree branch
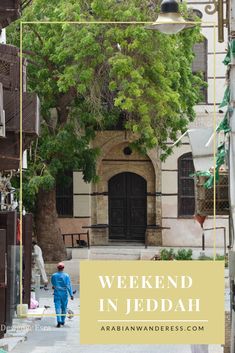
37,35
30,52
64,101
34,63
50,65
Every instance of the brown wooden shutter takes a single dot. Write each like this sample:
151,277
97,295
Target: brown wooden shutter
64,195
199,65
186,192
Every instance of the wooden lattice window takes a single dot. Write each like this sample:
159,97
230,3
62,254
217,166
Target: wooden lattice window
186,191
199,65
64,195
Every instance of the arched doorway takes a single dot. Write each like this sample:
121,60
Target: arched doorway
127,207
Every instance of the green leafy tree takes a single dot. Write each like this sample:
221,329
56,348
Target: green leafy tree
88,76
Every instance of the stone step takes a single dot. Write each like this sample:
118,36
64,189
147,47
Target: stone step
131,253
80,253
107,253
115,250
9,343
114,253
113,256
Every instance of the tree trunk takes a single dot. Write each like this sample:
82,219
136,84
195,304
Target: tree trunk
47,227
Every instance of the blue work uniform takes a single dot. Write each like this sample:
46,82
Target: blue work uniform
62,286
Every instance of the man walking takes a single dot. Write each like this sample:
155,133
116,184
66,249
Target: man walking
61,284
39,262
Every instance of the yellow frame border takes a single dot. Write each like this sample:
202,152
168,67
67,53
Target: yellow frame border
213,24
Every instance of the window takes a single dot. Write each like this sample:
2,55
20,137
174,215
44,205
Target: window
200,65
64,195
186,193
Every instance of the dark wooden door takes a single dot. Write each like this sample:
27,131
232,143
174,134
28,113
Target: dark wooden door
127,207
8,221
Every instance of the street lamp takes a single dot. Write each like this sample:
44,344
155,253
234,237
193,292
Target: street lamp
170,20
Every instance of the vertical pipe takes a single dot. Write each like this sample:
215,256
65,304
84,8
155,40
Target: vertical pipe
220,21
232,161
225,247
21,164
203,241
37,287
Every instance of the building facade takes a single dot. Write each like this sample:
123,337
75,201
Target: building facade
138,198
10,82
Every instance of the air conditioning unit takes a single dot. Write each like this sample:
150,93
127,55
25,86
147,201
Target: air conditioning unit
2,114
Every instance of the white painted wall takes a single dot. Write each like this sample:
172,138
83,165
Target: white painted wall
186,231
3,36
183,231
82,196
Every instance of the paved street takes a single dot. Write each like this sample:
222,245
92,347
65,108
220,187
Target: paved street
45,337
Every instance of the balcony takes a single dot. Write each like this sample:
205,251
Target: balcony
10,68
10,108
30,105
10,152
10,10
9,146
205,197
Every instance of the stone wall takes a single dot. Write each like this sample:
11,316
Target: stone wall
113,161
185,231
227,332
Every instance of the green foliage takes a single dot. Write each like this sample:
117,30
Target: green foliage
181,254
54,155
220,257
185,255
166,254
217,258
205,258
88,75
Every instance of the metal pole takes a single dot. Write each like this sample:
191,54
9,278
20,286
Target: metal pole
37,287
232,167
224,229
225,245
203,241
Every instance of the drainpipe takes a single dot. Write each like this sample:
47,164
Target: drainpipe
232,177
